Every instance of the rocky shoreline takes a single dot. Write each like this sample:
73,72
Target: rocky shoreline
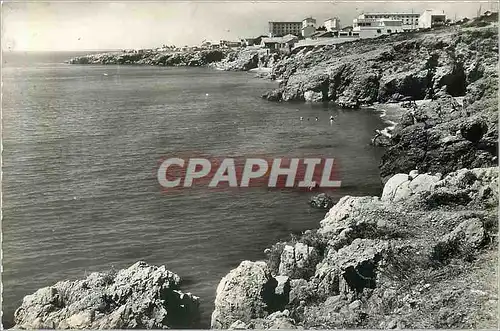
398,261
423,255
139,297
222,59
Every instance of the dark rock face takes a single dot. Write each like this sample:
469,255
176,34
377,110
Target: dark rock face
142,296
321,201
443,136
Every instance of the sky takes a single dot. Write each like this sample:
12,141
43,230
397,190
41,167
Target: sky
106,25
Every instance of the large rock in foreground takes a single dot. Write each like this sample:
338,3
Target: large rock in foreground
423,255
247,293
141,296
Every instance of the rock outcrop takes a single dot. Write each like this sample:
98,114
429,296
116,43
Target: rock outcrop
321,201
192,58
222,59
248,293
247,59
399,260
411,66
142,296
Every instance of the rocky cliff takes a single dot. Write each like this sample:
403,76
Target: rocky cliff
390,68
140,297
423,255
439,135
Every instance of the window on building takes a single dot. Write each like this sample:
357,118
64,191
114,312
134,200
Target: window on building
379,31
389,30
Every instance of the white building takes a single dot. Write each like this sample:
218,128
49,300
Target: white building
308,27
332,24
409,21
309,22
431,18
374,27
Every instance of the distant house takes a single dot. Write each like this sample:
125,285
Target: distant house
270,43
332,24
248,41
279,44
431,18
409,21
259,39
308,27
374,27
230,44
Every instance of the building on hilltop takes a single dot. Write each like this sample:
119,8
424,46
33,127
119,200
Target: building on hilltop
309,21
431,18
332,24
255,41
279,44
374,27
409,21
229,44
308,27
280,29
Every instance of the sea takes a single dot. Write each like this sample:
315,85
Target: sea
81,146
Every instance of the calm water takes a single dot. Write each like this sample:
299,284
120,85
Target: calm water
80,154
